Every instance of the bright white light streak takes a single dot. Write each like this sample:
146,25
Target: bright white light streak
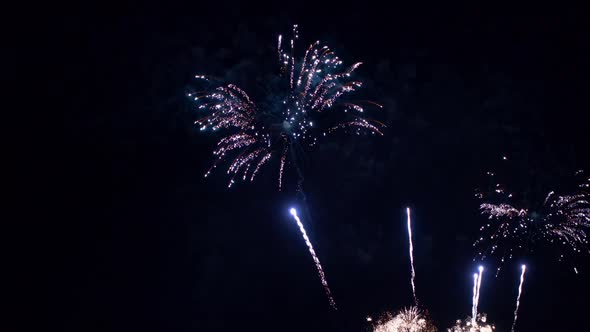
315,258
518,297
279,50
413,279
478,287
473,307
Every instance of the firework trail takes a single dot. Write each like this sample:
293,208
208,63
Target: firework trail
412,256
476,287
315,258
518,297
560,222
473,308
477,322
305,105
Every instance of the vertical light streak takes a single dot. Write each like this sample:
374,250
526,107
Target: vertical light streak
283,158
518,297
476,304
413,278
315,258
478,287
279,50
473,307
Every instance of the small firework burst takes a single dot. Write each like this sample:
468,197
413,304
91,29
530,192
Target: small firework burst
305,105
409,319
480,324
560,221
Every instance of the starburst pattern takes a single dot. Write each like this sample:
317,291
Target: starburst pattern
409,319
309,106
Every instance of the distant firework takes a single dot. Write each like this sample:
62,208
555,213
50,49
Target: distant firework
409,319
307,107
316,260
558,221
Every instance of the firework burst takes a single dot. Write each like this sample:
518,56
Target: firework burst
557,221
309,106
409,319
480,324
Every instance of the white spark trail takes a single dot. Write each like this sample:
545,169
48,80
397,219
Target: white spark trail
518,297
315,258
413,279
478,287
473,307
279,49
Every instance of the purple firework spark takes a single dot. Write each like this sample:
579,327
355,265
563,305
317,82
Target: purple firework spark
254,134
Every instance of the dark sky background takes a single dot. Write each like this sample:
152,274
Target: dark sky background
145,243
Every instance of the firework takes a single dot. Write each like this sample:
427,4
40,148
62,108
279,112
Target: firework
308,107
473,308
479,324
476,287
409,319
315,257
557,221
523,267
411,256
476,304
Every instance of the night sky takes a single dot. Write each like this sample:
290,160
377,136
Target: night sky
143,242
